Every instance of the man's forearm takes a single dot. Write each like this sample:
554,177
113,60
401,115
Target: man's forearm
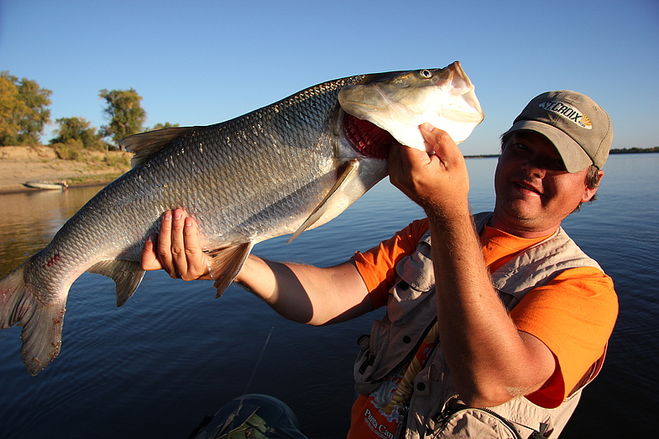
306,293
480,341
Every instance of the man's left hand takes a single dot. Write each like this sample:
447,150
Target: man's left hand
437,180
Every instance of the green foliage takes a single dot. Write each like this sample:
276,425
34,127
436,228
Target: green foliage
125,112
634,150
23,110
78,129
160,126
117,161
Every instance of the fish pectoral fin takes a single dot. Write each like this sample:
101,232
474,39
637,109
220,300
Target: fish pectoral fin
145,145
348,171
127,276
226,263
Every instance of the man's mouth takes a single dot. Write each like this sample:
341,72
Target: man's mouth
528,186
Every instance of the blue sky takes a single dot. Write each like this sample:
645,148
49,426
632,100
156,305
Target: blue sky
201,62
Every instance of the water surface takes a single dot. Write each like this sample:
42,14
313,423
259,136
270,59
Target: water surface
174,353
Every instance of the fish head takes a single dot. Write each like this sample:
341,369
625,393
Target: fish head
398,102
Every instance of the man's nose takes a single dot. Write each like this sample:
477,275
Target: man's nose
534,168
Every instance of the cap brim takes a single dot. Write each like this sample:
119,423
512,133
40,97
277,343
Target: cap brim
574,157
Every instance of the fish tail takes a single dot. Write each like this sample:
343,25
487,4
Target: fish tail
42,323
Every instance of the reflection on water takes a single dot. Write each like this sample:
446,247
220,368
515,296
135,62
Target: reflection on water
174,353
32,218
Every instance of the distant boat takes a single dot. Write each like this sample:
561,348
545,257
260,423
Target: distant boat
51,185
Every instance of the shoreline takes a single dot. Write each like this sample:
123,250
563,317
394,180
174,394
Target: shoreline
14,189
20,164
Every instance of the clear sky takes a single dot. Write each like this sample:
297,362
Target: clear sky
201,62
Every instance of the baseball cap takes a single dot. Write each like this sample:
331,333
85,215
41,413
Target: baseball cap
578,127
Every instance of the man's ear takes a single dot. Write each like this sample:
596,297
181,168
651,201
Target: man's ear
589,192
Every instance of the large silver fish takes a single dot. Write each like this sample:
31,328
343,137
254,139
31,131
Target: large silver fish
282,169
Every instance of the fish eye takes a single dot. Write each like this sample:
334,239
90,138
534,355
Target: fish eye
427,74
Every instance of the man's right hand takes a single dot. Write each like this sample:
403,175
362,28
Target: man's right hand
177,249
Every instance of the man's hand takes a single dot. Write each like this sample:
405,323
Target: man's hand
177,249
437,180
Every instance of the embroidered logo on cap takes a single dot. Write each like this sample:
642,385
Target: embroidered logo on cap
567,111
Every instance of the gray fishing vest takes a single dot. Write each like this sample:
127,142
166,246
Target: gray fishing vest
434,410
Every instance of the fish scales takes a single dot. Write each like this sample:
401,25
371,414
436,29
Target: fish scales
283,165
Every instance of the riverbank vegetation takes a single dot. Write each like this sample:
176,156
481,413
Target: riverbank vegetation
25,112
634,150
613,151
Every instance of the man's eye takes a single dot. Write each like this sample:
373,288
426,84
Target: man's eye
557,165
520,147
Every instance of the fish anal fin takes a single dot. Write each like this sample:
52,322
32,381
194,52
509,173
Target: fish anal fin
145,145
348,171
226,264
127,276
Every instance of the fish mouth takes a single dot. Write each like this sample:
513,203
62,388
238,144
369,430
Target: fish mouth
367,138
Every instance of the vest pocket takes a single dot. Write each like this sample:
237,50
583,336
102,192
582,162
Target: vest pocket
415,280
460,421
416,270
410,312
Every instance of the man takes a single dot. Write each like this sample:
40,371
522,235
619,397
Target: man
500,311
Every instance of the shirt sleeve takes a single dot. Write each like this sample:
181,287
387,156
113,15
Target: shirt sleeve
377,266
573,315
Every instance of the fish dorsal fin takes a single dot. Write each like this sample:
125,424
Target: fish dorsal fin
348,171
127,276
226,264
145,145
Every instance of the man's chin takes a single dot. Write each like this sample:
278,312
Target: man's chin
521,210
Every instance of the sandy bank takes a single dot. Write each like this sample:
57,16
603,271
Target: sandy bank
19,164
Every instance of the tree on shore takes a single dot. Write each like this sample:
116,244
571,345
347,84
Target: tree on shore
160,126
78,130
125,112
23,110
634,150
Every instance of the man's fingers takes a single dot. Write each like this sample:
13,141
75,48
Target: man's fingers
439,142
164,248
178,249
149,258
405,161
415,157
196,259
179,257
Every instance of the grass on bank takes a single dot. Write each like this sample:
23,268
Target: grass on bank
74,150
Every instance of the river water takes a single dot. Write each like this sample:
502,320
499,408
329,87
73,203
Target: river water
173,353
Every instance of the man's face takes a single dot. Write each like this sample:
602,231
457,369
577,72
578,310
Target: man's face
534,191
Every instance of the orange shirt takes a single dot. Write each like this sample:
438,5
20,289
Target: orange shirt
573,314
